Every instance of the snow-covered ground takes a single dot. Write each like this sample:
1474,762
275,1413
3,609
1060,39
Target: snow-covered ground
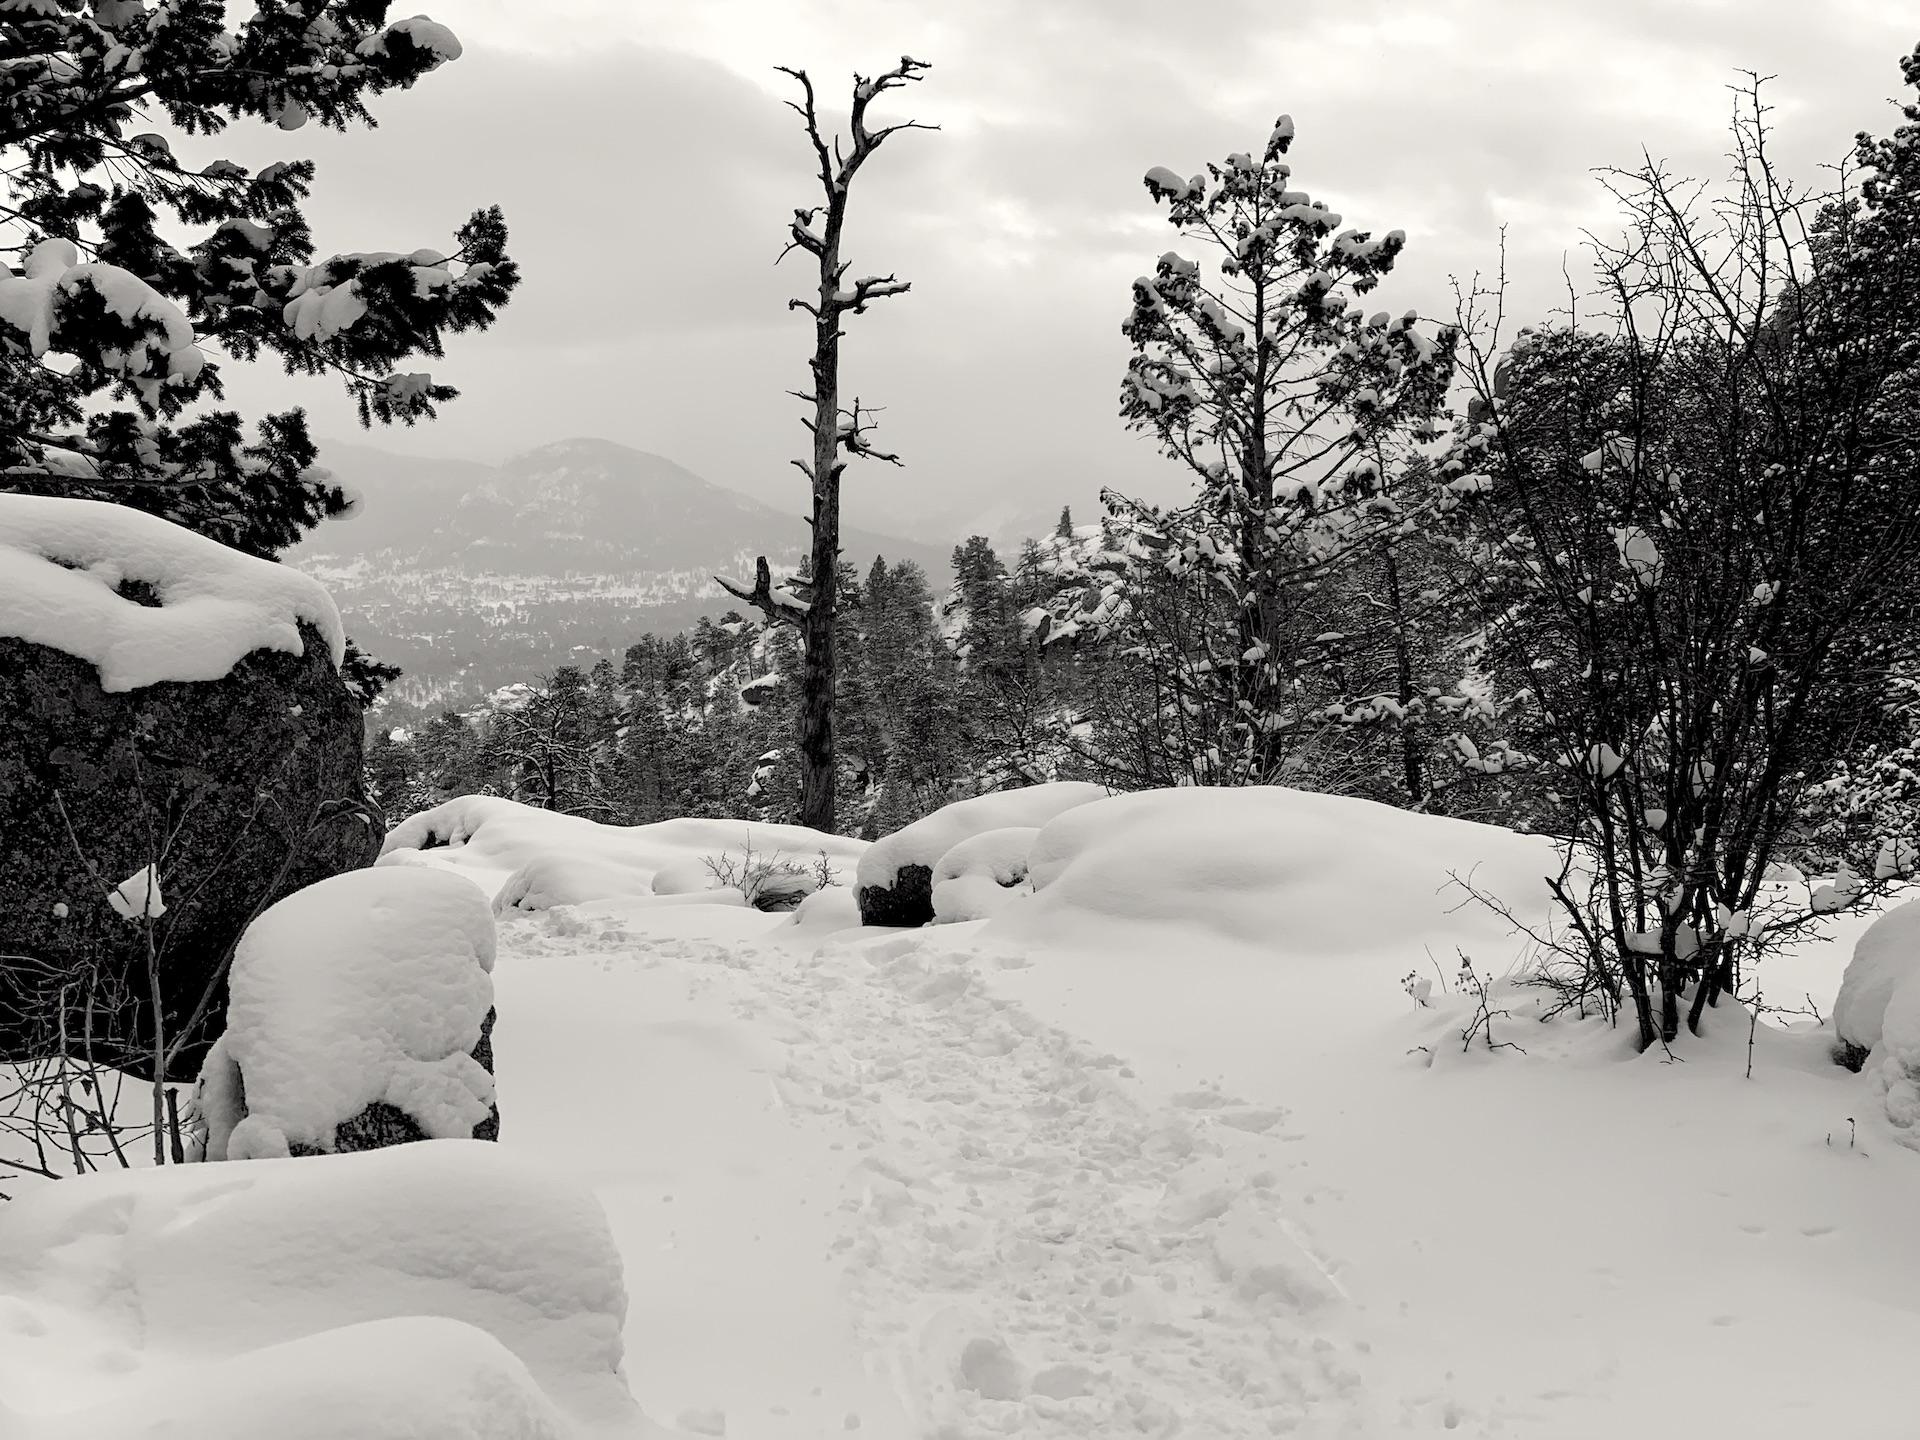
1165,1148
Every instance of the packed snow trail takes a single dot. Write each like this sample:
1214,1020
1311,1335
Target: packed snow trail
1022,1246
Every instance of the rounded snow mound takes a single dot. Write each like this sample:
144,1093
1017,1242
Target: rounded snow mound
449,1290
368,986
553,881
1896,1059
562,879
828,910
144,600
533,859
1282,869
981,875
384,1380
894,880
1883,958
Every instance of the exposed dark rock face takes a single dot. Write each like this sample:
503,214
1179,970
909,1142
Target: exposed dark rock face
381,1124
244,789
489,1128
908,901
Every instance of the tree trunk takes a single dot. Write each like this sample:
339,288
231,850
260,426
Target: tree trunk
1412,769
819,664
1260,625
1634,969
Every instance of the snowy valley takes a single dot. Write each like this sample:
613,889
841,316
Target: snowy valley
470,577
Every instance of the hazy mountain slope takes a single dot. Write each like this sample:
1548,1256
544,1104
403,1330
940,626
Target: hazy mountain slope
470,576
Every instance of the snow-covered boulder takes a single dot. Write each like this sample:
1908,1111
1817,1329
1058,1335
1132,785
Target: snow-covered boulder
362,1017
450,1291
162,693
982,874
1895,1066
1286,870
569,877
894,884
1883,959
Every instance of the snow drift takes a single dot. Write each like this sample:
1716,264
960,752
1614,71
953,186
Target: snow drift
894,882
443,1290
927,839
982,875
1305,872
532,859
1877,1014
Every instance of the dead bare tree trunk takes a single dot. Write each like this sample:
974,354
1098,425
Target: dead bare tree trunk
819,662
837,433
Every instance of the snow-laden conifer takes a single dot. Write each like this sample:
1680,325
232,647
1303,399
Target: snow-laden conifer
139,258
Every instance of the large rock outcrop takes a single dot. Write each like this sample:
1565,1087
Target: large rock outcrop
894,884
362,1017
168,702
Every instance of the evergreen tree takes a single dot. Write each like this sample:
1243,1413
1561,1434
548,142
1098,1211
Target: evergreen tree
392,778
1009,694
1413,688
448,760
657,760
553,745
909,684
1273,390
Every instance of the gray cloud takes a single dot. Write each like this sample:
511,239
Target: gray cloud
647,168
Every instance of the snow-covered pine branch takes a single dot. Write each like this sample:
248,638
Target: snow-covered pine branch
131,264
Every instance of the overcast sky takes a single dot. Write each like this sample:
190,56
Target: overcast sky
647,169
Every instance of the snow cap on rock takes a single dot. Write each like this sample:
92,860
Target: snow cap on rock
196,607
926,840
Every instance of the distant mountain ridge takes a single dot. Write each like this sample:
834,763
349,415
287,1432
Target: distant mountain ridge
472,576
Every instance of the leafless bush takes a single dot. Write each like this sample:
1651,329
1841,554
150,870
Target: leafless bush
1478,988
64,1110
68,1102
1691,523
770,879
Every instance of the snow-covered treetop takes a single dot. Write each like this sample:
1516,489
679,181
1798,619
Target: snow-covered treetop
1278,324
145,601
1259,375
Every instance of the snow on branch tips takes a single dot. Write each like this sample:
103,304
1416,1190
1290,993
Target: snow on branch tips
132,272
1296,416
